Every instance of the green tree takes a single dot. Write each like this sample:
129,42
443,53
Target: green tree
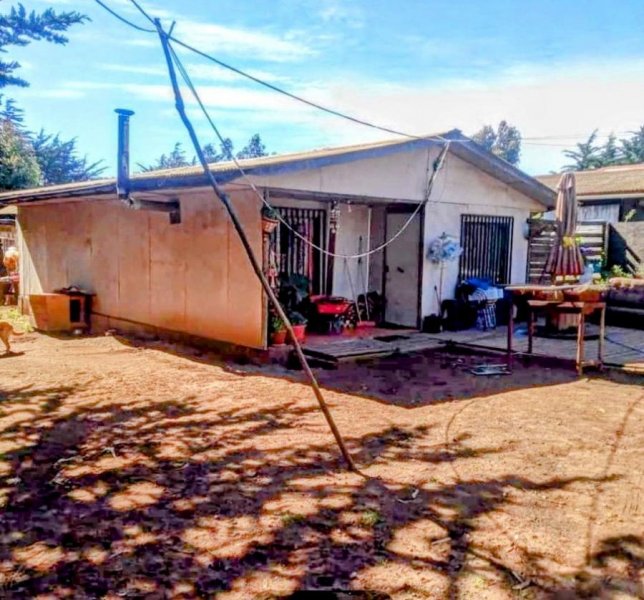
18,165
225,151
588,155
177,158
505,142
254,149
172,160
632,149
9,111
19,28
59,161
610,152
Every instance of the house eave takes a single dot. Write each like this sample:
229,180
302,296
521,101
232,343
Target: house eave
191,177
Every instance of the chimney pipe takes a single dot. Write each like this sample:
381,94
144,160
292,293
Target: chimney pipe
123,158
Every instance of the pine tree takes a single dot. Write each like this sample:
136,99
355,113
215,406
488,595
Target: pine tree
254,149
632,149
20,28
505,142
59,161
586,156
176,158
18,165
610,153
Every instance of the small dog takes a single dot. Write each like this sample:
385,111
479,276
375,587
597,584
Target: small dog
6,330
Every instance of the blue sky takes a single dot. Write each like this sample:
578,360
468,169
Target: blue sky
555,68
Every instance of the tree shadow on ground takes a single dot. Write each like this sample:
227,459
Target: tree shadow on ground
174,499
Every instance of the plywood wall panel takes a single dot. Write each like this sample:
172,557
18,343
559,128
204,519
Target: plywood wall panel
169,254
192,278
207,270
132,250
105,255
245,298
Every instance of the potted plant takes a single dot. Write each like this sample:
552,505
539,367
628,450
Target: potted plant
270,219
277,330
298,321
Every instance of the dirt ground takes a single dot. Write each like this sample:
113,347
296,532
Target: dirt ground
141,471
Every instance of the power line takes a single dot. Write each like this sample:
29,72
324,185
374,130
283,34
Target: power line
530,141
275,88
437,166
239,229
123,19
270,86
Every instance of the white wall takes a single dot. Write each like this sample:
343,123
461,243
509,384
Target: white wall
401,176
460,188
463,189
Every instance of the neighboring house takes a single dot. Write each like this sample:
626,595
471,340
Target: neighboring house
613,195
7,227
610,194
193,277
7,235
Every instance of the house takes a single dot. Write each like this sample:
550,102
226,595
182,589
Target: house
611,194
7,228
176,266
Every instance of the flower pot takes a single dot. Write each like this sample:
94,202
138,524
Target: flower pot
278,338
300,332
269,225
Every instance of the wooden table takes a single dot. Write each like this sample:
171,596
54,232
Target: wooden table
580,308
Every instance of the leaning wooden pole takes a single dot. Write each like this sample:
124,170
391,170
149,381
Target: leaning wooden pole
221,194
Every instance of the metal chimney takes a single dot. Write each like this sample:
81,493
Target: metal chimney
123,158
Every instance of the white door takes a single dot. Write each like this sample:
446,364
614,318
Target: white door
402,283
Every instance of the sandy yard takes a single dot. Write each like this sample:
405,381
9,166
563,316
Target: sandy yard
132,471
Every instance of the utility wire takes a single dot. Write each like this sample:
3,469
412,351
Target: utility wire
527,140
271,86
123,19
437,166
239,228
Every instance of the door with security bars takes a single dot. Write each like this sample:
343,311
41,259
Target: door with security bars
296,247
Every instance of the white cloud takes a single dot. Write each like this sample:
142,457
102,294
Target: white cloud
543,101
341,12
218,38
55,93
238,41
135,69
560,102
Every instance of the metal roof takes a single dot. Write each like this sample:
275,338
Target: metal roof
615,181
193,176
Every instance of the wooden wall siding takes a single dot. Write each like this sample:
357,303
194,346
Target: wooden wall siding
542,236
191,278
626,245
610,213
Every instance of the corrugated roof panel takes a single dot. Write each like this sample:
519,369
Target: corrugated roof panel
609,181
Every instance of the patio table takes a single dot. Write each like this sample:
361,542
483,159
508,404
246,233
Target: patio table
580,308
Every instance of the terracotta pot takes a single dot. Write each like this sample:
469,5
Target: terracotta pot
300,332
269,225
278,338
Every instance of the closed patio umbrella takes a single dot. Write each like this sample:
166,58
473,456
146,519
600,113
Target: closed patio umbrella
565,257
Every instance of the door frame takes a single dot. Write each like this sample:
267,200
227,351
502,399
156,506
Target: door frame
406,208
